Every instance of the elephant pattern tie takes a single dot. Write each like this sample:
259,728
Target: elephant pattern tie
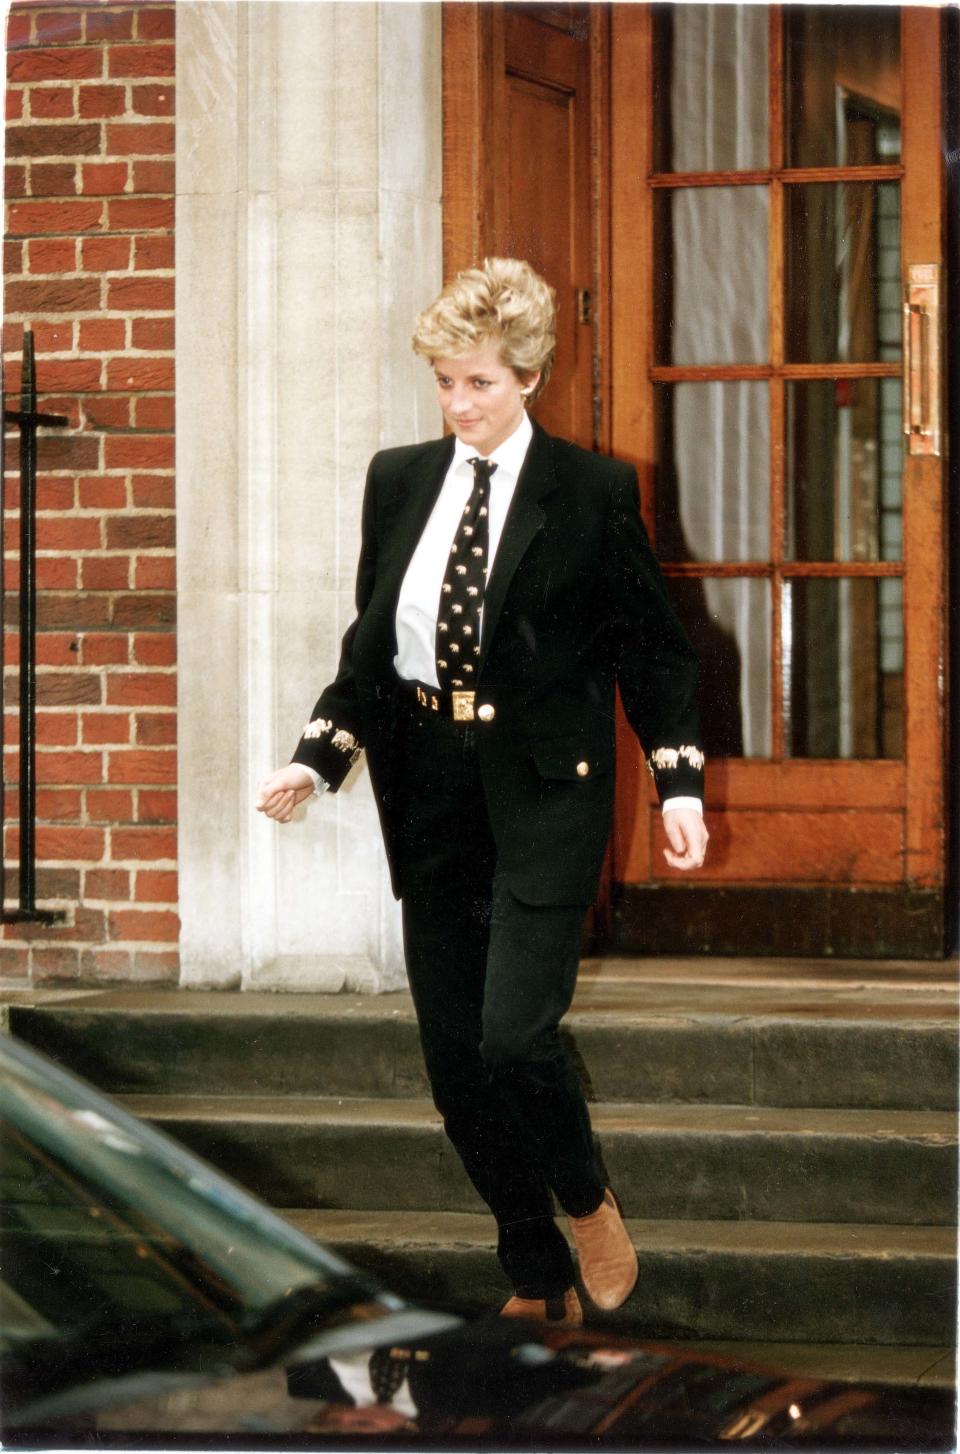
461,595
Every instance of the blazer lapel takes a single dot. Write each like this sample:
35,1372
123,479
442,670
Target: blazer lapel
404,516
524,519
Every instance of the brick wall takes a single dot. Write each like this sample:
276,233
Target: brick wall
89,262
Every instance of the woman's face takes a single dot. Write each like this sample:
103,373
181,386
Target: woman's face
480,397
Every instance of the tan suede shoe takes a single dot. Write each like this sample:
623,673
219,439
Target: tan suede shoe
608,1263
563,1312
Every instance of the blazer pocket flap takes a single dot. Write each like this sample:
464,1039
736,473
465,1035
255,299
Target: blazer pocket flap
572,758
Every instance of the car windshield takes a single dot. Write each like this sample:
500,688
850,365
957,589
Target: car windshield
111,1231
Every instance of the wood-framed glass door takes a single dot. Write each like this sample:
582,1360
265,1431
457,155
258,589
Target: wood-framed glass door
776,173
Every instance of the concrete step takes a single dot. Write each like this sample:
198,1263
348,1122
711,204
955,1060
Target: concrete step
666,1161
860,1038
765,1281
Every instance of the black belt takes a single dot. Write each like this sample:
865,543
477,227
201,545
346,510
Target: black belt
457,705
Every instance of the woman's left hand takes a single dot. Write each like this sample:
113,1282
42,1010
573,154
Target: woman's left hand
687,835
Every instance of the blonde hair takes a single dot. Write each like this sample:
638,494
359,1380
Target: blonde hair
504,301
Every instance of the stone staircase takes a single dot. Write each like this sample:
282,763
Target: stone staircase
783,1134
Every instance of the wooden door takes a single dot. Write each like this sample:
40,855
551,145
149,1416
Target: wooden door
776,173
521,174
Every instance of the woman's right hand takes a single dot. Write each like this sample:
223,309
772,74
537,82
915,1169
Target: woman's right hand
282,791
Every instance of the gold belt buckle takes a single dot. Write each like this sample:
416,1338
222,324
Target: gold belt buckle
462,703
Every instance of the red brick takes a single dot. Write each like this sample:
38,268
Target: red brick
105,573
50,141
156,22
102,648
12,258
15,181
144,610
155,412
14,105
105,255
54,493
74,64
151,532
156,729
56,729
100,965
153,333
19,29
70,844
53,337
143,843
53,179
57,533
157,492
153,252
110,805
66,688
105,334
52,964
108,883
144,765
143,451
137,138
134,214
156,573
148,927
52,255
156,805
29,218
141,60
141,689
56,648
109,25
156,886
154,177
140,373
48,103
58,803
153,100
77,613
104,412
129,293
54,574
87,925
106,727
101,494
69,767
68,373
58,27
102,101
66,405
59,295
153,650
104,179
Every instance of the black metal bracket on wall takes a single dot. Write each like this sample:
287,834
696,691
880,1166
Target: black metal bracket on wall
28,421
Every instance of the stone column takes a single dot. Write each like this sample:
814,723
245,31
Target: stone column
308,236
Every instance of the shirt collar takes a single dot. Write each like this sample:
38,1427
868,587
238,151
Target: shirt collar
508,456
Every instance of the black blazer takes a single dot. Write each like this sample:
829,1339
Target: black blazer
575,605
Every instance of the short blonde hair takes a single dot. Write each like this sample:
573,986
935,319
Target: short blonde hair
503,300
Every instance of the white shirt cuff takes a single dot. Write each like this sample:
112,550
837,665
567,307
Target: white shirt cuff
694,804
320,784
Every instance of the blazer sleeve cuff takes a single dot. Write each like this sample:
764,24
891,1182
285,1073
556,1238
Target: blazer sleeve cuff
677,771
327,750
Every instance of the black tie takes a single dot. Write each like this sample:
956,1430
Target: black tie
461,595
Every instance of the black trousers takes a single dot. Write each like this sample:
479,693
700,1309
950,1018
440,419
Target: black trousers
491,978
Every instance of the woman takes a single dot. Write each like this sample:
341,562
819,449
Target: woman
505,588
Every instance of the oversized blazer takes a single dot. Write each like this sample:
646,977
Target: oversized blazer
575,605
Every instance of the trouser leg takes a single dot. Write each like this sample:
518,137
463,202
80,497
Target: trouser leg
531,971
447,876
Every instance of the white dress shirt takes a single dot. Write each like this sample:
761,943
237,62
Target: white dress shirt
419,600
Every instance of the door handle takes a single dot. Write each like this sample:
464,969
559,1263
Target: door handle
921,359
